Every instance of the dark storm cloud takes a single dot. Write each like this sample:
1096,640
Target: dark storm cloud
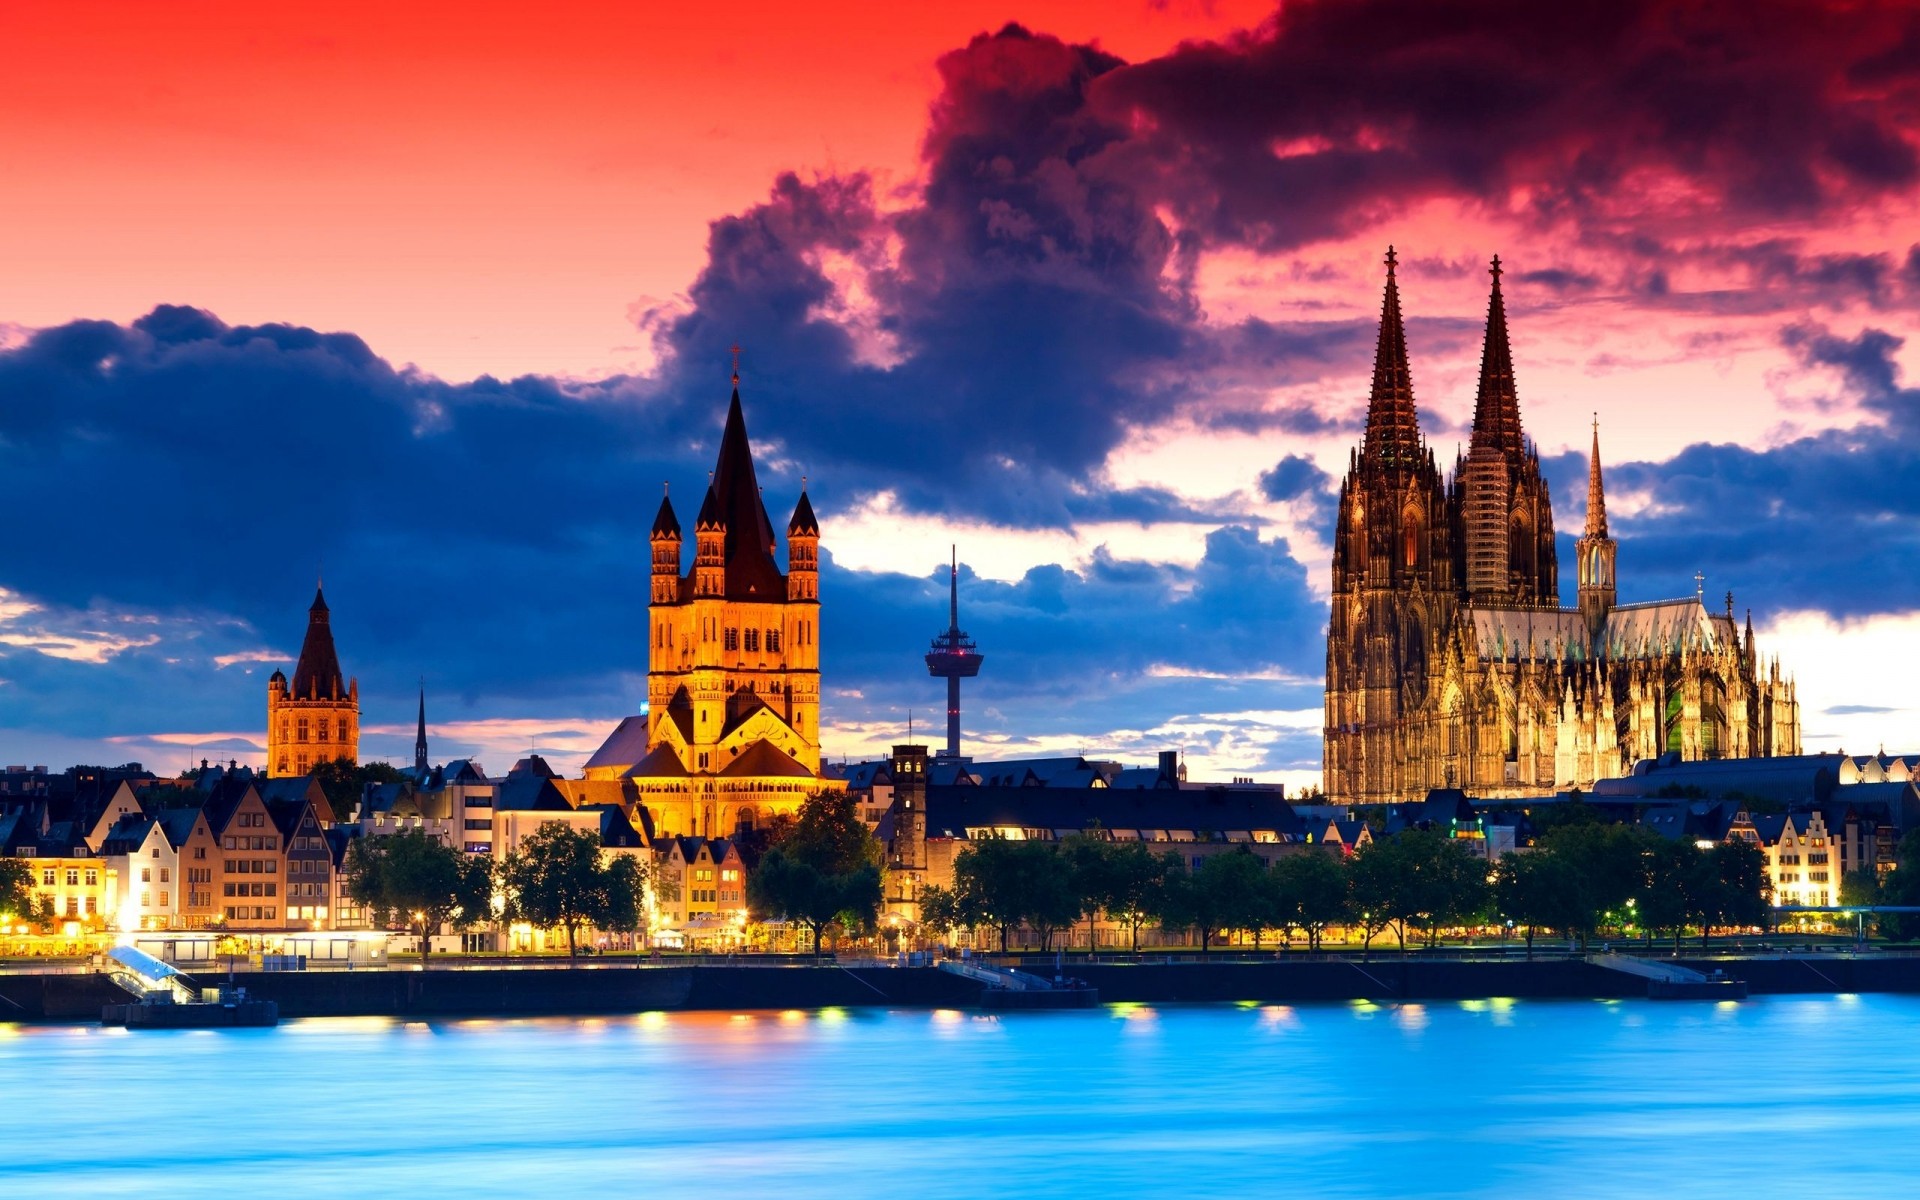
1830,521
1336,114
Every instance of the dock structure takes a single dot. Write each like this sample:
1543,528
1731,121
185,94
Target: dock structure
1007,988
1671,981
164,997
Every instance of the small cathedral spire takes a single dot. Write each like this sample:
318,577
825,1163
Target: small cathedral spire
1393,425
1596,488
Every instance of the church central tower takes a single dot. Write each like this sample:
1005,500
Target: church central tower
732,729
316,719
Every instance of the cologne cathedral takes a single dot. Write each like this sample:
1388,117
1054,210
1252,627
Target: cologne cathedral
1450,661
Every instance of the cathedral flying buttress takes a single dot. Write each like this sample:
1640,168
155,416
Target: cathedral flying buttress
1450,662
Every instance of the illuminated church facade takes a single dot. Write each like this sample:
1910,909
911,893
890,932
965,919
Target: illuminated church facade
1450,662
731,735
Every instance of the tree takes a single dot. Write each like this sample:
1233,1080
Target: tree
1048,900
1902,887
17,898
829,835
1218,895
1860,888
1089,856
1744,891
1132,886
345,783
1417,877
560,877
987,876
939,908
1539,889
792,889
414,879
1681,888
1609,863
1313,891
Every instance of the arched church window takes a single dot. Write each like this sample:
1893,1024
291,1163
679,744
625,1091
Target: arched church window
300,730
1410,542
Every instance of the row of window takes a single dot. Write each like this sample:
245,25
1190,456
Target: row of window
714,895
146,899
249,843
306,866
252,866
323,730
146,875
50,877
307,889
252,912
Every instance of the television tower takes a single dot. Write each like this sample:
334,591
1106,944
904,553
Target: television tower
953,658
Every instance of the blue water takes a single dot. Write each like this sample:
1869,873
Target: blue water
1775,1097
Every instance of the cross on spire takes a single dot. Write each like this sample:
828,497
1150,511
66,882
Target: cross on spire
735,351
1699,586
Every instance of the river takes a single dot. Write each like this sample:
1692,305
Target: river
1772,1097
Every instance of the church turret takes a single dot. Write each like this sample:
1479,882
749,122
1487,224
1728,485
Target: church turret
803,551
666,553
709,548
1595,550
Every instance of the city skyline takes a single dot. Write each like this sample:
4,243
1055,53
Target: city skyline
1736,301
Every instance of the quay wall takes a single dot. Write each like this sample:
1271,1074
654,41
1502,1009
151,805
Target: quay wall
544,989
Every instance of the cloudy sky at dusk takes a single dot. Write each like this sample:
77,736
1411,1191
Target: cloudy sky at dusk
441,305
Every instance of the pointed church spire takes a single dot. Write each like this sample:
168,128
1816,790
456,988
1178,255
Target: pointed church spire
737,508
1393,427
1596,489
1496,408
420,737
317,675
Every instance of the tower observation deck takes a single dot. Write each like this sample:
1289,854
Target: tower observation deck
953,658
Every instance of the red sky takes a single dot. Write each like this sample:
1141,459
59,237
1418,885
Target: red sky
475,188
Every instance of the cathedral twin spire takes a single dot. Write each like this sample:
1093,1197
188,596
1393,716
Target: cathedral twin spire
1393,425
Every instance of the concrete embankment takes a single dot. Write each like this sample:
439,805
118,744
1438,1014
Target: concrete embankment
519,991
556,989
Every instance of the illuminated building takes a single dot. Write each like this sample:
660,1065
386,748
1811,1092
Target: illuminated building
1450,662
316,718
731,735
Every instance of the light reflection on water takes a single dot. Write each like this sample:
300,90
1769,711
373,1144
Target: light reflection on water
1474,1098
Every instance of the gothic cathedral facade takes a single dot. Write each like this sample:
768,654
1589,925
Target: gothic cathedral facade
731,735
1450,661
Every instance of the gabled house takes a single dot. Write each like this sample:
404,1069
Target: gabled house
146,865
252,857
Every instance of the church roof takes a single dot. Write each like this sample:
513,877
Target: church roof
804,523
763,758
752,573
317,677
665,523
658,763
1393,425
626,744
1496,408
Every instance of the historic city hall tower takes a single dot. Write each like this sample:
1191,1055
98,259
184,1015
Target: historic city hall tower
316,719
732,729
1450,662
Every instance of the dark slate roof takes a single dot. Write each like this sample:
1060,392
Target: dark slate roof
178,824
764,758
661,762
339,838
949,772
752,573
318,674
665,523
464,770
529,793
222,799
64,839
952,810
626,744
1349,831
863,776
1769,826
615,830
804,523
1800,779
127,834
533,764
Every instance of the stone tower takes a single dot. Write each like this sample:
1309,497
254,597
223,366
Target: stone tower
1393,576
316,718
1505,510
731,734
